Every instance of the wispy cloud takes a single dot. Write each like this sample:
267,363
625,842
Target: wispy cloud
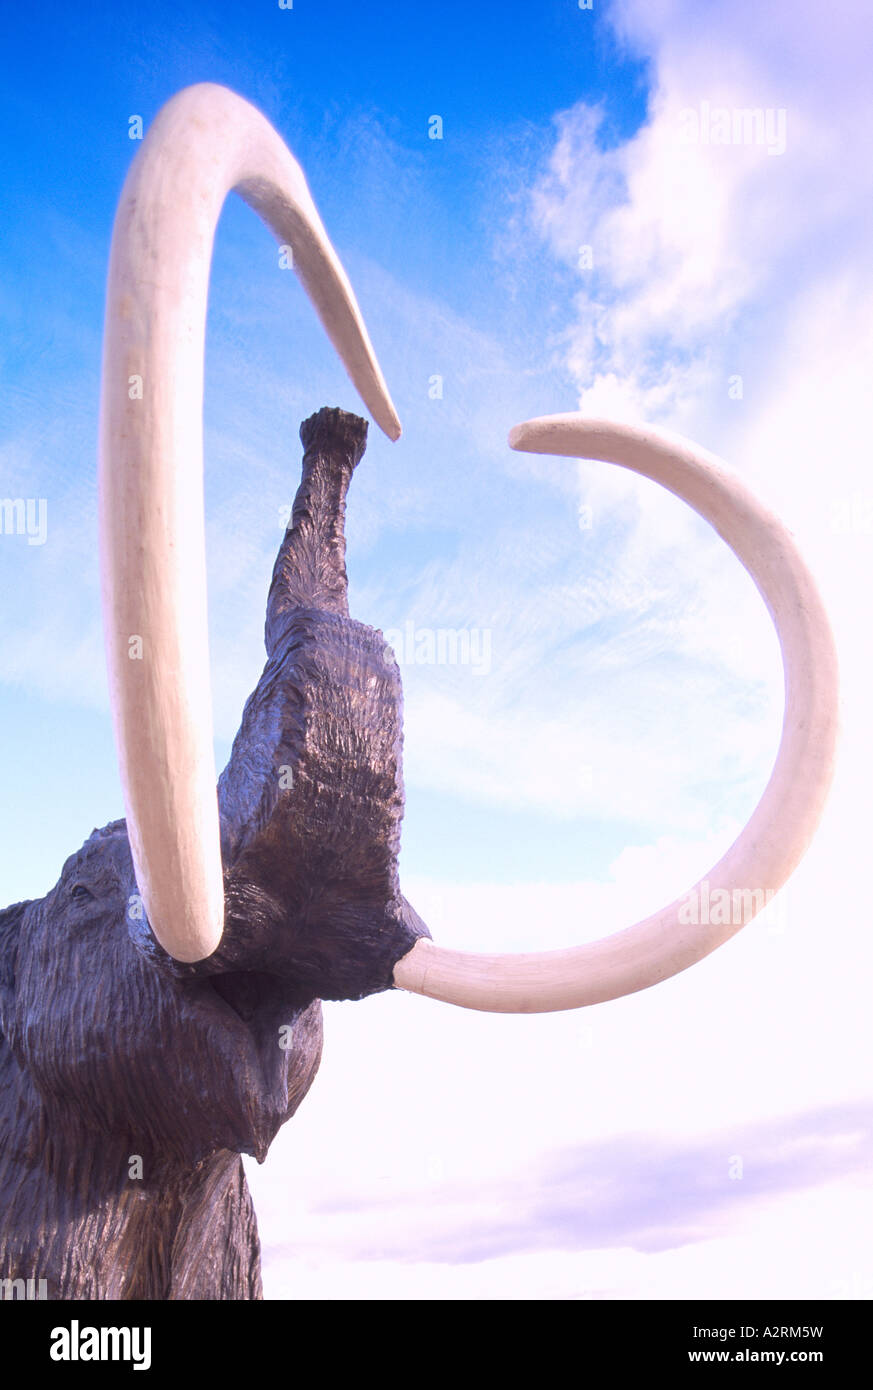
642,1191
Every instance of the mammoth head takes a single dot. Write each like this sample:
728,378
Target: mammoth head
328,706
311,801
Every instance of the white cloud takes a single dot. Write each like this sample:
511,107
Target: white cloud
786,1251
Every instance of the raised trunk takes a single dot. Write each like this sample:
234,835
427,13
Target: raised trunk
310,569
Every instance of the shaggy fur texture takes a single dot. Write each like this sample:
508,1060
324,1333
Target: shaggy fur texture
130,1084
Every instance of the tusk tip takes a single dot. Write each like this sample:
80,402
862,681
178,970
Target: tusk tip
524,435
391,426
548,434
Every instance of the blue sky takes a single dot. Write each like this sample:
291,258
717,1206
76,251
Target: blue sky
624,723
389,196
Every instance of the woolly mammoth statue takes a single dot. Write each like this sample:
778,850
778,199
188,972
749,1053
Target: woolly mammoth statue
159,1008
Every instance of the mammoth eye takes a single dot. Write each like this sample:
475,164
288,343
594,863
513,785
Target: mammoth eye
80,894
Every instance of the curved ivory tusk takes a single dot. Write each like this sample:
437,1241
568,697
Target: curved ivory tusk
203,143
784,821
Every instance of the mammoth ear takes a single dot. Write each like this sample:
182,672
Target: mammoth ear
10,924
